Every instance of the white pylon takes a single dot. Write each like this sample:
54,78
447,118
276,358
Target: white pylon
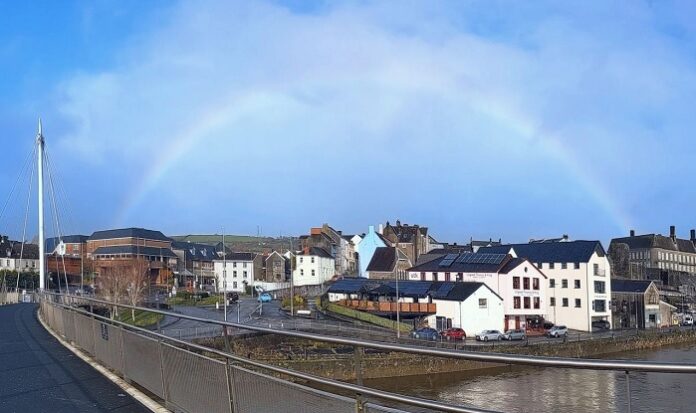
42,252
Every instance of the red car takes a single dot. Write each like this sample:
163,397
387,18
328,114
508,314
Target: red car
453,334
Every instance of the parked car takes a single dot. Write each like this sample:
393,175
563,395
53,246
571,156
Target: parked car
232,297
515,335
265,298
557,331
687,320
426,333
453,334
601,324
489,335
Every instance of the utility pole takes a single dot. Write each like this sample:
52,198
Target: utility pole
292,291
398,319
42,247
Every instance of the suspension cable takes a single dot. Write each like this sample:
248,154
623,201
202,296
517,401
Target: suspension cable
24,230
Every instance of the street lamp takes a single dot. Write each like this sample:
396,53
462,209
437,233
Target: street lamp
396,271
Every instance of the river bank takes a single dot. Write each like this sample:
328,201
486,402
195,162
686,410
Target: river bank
338,362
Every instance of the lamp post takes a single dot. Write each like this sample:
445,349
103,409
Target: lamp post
396,271
224,274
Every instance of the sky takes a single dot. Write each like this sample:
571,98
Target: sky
483,119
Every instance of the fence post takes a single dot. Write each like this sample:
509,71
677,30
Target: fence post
357,361
628,390
229,372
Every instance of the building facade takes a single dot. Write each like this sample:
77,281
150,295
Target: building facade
388,263
367,247
313,266
237,271
578,272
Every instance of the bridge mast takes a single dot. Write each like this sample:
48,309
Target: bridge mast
42,253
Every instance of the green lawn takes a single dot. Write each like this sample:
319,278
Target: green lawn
142,318
211,300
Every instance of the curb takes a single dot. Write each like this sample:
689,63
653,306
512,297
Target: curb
141,397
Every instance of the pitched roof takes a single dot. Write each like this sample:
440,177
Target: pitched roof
512,264
440,290
51,243
407,233
619,285
135,250
572,251
657,241
194,251
384,259
320,252
13,249
465,262
237,256
129,233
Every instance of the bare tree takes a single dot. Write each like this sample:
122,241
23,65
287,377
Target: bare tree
111,285
137,281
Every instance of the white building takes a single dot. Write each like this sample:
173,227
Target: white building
10,252
313,266
472,306
579,274
239,271
520,284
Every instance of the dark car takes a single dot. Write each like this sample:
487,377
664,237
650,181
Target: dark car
426,333
453,334
232,297
601,324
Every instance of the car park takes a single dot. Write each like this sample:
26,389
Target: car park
517,334
557,331
425,333
489,335
453,334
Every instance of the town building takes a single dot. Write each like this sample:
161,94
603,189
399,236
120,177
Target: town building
133,246
239,269
275,268
635,304
413,240
313,266
578,274
520,284
338,246
668,260
195,264
472,306
67,255
15,256
388,263
367,247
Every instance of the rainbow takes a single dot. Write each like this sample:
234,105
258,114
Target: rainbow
514,119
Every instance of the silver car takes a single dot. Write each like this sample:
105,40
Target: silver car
515,335
489,335
558,331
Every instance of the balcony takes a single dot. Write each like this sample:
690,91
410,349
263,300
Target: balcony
386,307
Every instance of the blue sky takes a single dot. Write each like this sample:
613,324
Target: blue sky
477,119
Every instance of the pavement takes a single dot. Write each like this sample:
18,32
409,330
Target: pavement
38,374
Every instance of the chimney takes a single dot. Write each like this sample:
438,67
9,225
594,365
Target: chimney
565,237
693,235
371,229
673,232
398,223
306,250
381,228
633,233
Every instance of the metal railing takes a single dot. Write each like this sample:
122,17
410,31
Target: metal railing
170,367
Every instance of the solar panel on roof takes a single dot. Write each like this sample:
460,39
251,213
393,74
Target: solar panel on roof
451,256
446,263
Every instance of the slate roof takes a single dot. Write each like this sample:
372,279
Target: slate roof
51,243
441,290
13,249
407,233
460,265
129,233
657,241
195,252
572,251
320,252
135,250
619,285
237,256
384,259
512,264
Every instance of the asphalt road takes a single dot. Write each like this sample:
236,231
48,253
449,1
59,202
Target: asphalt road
38,374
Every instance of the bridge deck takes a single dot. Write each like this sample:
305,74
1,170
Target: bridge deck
38,374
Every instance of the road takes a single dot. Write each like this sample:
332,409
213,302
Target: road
38,374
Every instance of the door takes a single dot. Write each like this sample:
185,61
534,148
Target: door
517,323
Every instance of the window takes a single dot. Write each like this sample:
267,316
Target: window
460,276
565,302
516,283
551,265
422,276
234,284
483,303
535,283
244,265
596,269
564,266
234,264
301,272
447,276
527,302
577,303
577,265
313,274
516,302
525,283
552,283
576,284
434,276
600,306
537,303
312,260
234,274
300,260
564,283
552,301
600,287
245,274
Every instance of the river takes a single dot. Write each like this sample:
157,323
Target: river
526,389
